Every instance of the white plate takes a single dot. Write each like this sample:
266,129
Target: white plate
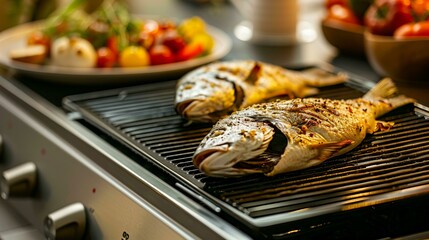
15,37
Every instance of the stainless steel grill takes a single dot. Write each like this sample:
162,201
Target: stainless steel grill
387,166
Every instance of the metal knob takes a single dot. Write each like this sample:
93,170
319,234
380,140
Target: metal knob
19,181
66,223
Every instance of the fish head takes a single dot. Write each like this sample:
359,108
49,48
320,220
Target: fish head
207,96
238,147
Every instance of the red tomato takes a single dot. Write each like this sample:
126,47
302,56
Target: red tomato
189,51
174,41
146,40
39,38
112,44
151,27
105,58
418,29
160,54
420,9
167,25
341,13
330,3
383,17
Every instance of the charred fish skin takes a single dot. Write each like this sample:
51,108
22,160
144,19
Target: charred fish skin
313,130
214,91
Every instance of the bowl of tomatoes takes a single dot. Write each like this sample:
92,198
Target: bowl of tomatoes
404,57
346,37
343,25
396,39
392,34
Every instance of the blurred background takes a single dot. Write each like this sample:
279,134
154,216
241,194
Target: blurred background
14,12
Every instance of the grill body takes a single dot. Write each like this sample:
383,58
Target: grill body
367,188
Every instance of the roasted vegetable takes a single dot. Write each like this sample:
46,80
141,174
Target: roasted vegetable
73,52
35,54
134,56
120,39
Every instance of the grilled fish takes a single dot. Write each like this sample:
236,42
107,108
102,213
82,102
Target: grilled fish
218,89
288,135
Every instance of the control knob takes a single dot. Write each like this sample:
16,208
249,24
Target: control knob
66,223
19,181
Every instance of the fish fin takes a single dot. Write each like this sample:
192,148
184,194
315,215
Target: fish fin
254,74
317,77
386,93
381,126
327,150
308,91
385,88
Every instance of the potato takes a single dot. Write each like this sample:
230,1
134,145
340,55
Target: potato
35,54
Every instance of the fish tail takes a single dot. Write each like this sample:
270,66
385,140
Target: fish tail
317,77
385,88
400,100
386,93
307,91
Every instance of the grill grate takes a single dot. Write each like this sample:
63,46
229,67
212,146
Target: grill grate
386,162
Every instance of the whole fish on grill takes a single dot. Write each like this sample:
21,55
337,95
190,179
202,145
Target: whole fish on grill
218,89
287,135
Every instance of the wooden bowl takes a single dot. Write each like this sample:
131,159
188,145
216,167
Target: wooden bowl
347,38
404,60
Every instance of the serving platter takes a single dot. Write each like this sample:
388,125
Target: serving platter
15,38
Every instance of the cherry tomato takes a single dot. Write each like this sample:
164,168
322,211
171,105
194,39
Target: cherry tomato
134,56
160,54
174,41
39,38
420,9
330,3
166,25
151,27
383,17
105,58
146,40
205,40
418,29
190,27
190,51
112,44
342,14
